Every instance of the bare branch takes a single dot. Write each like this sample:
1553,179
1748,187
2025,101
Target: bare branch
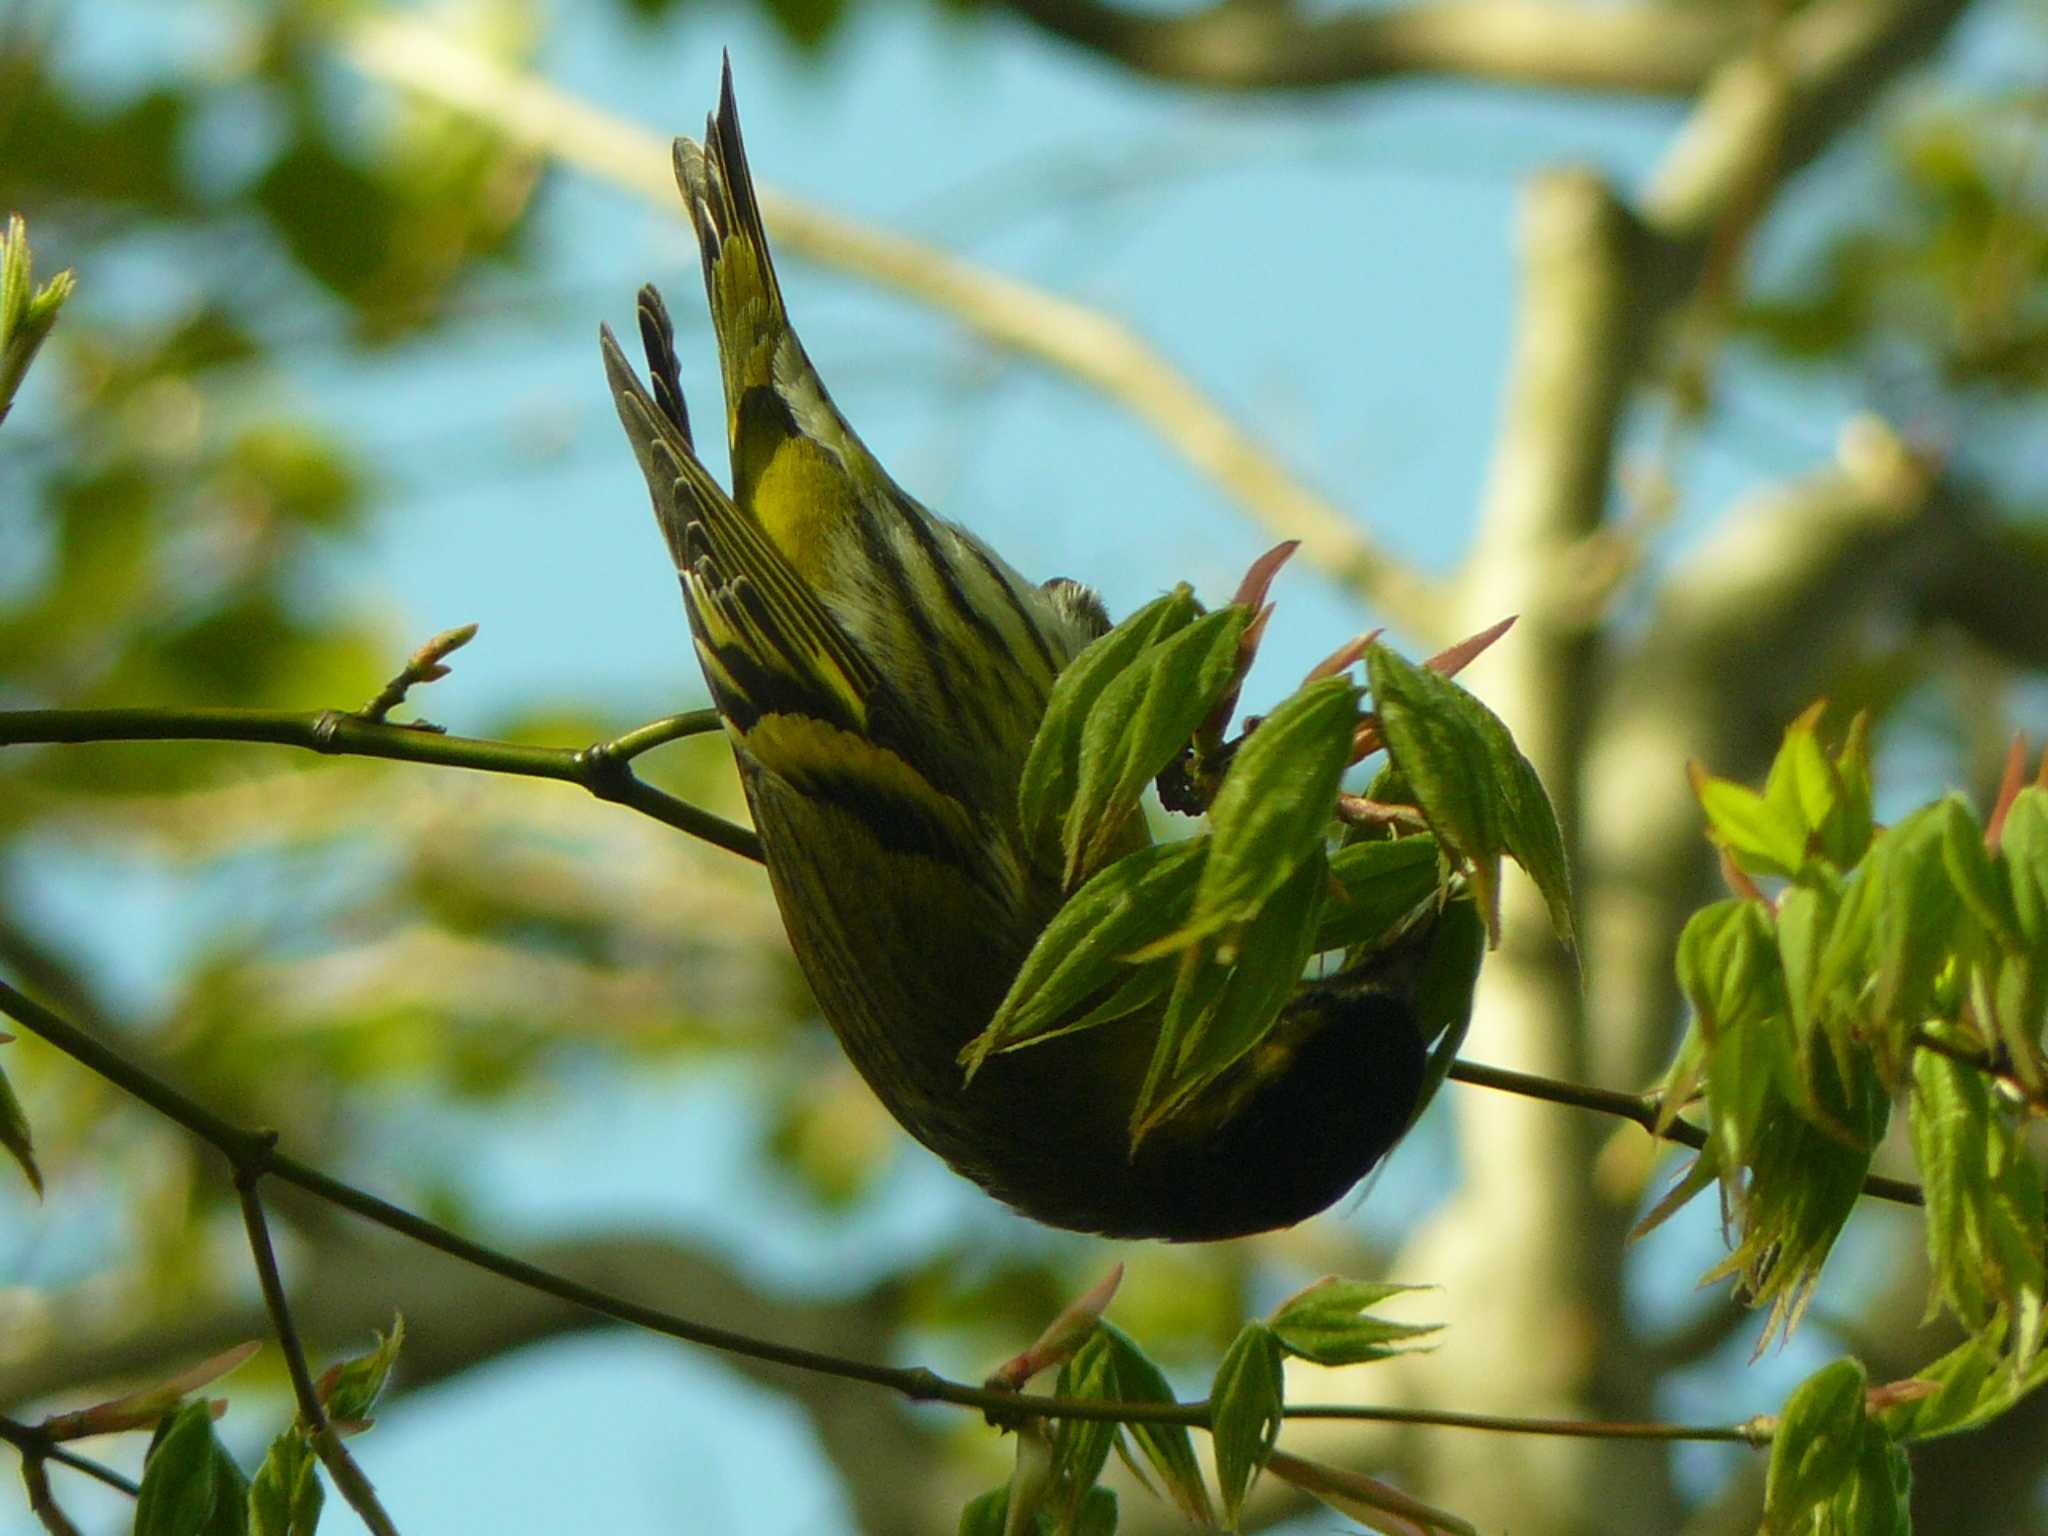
603,769
1648,49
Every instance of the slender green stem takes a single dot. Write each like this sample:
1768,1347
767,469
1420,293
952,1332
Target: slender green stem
602,769
1644,1109
348,1475
35,1443
1753,1432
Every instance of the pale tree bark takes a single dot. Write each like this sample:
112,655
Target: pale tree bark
1527,1251
1276,44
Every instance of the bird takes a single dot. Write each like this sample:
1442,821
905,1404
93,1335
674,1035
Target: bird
880,672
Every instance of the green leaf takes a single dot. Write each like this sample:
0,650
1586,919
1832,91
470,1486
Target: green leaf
1806,915
1845,838
1977,880
1052,768
1728,968
1951,1124
286,1496
1984,1203
1083,952
1374,886
1275,806
1728,965
350,1389
1802,789
14,1134
1165,1446
1143,718
190,1485
1916,913
1244,1414
1701,1172
1328,1323
1437,749
1816,1447
2023,849
1030,1482
987,1515
1529,823
1480,795
1217,1013
1081,1446
1764,839
1806,1162
26,316
1975,1384
1878,1500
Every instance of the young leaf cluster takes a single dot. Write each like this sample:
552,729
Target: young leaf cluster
27,313
192,1485
1328,1324
1905,961
1835,1468
1857,966
1213,935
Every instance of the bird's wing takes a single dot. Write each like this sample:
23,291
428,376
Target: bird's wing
798,695
768,645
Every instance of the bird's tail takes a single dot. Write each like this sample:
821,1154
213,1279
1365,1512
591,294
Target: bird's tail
739,275
794,458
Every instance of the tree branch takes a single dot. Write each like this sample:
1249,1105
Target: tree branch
1642,1108
35,1444
320,1432
602,768
1648,49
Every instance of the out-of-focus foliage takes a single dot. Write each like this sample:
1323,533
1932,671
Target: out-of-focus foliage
1946,286
173,517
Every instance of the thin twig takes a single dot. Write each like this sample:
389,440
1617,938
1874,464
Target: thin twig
1750,1432
1643,1109
349,1477
428,664
42,1503
36,1444
602,769
247,1148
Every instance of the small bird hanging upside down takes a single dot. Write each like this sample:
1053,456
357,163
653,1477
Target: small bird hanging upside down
881,673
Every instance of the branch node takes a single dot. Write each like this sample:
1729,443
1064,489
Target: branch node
921,1384
252,1157
605,773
